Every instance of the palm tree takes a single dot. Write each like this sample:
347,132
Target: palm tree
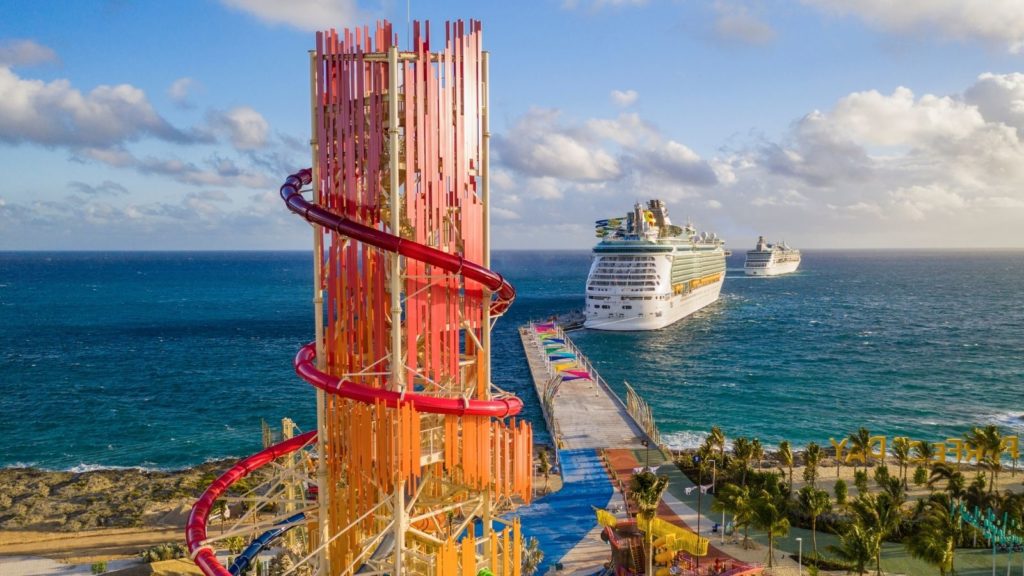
894,488
646,489
814,503
901,451
860,443
880,513
925,451
717,439
786,456
756,451
545,467
936,534
769,514
735,500
742,451
812,456
858,545
532,557
990,441
942,472
975,496
1012,505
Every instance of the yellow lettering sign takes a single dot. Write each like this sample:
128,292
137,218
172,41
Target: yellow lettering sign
880,442
952,448
838,446
959,450
1010,443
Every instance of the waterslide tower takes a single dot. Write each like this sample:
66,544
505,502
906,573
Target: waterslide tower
416,455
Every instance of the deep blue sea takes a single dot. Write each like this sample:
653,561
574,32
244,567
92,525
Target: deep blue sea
168,359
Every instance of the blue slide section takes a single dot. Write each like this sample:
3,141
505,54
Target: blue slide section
560,520
264,540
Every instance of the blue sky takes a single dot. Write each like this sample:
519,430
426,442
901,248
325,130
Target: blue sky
827,123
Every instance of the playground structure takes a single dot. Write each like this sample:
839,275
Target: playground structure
1001,532
415,457
670,544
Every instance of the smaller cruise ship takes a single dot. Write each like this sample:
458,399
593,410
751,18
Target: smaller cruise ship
771,259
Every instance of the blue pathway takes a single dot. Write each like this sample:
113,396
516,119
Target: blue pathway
560,520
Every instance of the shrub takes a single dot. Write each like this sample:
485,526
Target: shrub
841,491
169,551
99,567
920,476
860,480
235,544
882,475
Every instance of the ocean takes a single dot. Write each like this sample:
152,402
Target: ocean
167,359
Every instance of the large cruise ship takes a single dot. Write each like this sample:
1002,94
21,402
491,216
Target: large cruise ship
771,259
648,273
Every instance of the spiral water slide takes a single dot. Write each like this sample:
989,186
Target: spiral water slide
195,531
440,287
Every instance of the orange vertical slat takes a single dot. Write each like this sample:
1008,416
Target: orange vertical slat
493,544
469,553
506,552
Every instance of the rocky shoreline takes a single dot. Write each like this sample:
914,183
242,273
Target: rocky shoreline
52,501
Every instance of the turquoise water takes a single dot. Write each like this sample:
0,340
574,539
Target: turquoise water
169,359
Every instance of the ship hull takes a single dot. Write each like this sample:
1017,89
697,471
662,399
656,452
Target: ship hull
647,316
773,269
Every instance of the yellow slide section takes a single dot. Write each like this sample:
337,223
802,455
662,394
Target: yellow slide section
667,536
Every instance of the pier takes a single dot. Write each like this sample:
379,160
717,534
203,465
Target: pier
601,441
580,409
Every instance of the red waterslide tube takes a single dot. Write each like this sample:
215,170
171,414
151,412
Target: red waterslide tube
497,408
195,528
490,279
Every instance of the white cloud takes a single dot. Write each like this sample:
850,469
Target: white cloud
734,22
888,170
503,214
538,147
999,98
916,201
624,98
56,114
874,119
309,15
180,90
24,53
187,221
218,171
999,22
107,187
245,127
556,172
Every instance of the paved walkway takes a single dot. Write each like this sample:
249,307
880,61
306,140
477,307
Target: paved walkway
564,522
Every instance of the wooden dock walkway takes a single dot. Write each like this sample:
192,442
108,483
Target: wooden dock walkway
581,412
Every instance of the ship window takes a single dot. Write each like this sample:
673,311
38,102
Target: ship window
627,307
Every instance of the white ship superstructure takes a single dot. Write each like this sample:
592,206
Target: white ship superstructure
648,273
771,259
